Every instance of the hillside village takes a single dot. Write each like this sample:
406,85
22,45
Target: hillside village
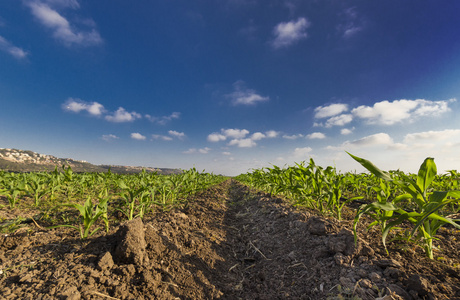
27,156
15,160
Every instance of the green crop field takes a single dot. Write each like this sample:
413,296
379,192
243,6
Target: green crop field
196,219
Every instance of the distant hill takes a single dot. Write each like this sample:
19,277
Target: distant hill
15,160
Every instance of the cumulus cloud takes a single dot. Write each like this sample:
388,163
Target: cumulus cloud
346,131
232,133
109,137
242,143
121,115
258,136
137,136
77,105
302,152
330,110
46,12
12,50
272,134
245,96
316,135
235,133
179,135
334,113
339,120
288,33
293,137
238,137
399,111
216,137
164,119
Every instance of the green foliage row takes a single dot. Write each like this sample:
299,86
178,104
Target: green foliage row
424,200
134,194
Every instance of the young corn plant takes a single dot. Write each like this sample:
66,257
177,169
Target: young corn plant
89,215
102,205
13,189
37,187
335,201
130,195
426,218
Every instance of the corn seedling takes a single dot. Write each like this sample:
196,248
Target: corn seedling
426,218
130,195
89,215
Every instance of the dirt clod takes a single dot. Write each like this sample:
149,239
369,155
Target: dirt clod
131,243
106,261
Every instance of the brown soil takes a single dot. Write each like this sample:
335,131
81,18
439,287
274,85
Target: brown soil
227,243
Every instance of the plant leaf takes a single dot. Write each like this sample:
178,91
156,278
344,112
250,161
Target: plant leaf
372,168
426,174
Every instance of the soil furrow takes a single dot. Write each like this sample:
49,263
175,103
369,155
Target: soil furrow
228,242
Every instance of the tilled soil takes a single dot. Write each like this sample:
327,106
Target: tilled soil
227,243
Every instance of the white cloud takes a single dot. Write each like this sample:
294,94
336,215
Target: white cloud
109,137
293,137
272,134
431,135
226,153
346,131
121,115
238,137
164,119
245,96
204,150
399,111
316,135
137,136
242,143
216,137
375,139
330,110
61,27
289,33
339,120
235,133
172,134
161,137
77,105
12,50
179,135
258,136
302,152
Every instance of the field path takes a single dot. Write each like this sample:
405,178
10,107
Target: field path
227,242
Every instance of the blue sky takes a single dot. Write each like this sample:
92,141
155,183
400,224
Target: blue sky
231,85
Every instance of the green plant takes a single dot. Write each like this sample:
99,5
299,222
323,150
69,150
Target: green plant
89,215
13,188
426,219
36,187
130,194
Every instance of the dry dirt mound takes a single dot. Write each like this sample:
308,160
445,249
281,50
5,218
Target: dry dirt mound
227,243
